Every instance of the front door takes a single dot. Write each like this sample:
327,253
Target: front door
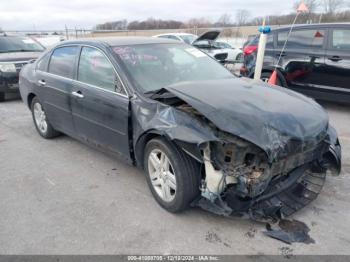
338,64
100,106
303,58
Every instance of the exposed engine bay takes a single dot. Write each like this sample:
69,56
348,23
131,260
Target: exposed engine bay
239,180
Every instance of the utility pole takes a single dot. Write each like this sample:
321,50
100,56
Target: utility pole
320,20
67,36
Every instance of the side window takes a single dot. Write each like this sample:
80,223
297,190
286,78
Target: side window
173,37
341,39
302,39
63,60
95,69
269,43
163,36
43,62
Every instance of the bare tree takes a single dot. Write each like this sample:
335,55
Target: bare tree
115,25
224,20
242,17
198,22
332,6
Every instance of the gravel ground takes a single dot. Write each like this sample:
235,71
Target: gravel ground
62,197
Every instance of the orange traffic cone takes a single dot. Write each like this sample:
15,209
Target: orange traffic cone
273,78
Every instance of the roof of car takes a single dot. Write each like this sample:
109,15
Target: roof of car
176,34
321,25
122,40
3,35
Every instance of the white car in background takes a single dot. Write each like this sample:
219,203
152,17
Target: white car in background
221,51
234,54
49,41
183,37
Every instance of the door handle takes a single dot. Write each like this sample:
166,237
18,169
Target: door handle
335,58
42,82
78,94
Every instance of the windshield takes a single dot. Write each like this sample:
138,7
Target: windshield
154,66
188,39
19,44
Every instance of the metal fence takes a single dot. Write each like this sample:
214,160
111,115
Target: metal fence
235,36
79,32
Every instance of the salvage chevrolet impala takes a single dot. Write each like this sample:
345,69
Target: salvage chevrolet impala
203,136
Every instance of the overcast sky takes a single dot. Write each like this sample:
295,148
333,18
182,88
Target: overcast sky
55,14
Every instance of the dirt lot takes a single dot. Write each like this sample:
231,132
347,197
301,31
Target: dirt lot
62,197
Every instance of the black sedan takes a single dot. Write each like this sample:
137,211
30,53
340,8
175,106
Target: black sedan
15,51
203,136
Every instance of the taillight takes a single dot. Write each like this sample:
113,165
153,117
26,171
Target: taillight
248,50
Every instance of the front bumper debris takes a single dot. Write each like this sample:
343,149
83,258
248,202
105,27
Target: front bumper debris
284,195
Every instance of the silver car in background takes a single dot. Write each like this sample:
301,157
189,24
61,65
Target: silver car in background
221,51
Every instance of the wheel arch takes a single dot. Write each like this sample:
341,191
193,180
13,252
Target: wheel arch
190,149
30,98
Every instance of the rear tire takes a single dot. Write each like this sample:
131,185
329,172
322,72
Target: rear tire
41,122
2,96
182,175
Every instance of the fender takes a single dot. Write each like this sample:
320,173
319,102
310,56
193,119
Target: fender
191,149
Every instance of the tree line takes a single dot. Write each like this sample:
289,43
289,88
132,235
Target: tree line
324,11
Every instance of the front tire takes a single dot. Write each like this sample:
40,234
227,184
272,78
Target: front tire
41,122
173,176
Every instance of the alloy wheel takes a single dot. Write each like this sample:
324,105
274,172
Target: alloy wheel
40,118
162,175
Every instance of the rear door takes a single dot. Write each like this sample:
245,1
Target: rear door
54,79
338,64
270,57
100,105
303,58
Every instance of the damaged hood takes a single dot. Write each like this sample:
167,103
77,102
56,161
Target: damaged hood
278,120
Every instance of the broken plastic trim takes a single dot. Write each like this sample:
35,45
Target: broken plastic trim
289,231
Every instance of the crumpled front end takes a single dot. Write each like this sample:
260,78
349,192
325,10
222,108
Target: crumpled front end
240,180
261,163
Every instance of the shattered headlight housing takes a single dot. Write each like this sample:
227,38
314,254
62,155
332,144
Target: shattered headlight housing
7,68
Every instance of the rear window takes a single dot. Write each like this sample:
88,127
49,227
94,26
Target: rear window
302,39
63,60
341,39
269,43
